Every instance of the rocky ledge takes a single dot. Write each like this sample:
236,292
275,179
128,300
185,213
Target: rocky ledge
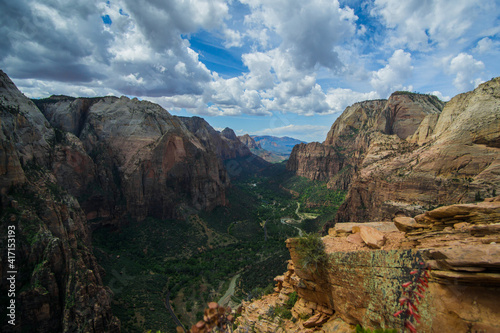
438,271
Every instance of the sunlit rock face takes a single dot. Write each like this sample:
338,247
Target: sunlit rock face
409,153
145,161
447,257
71,164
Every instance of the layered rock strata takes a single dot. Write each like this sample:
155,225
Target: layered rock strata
135,157
58,283
407,154
458,245
225,144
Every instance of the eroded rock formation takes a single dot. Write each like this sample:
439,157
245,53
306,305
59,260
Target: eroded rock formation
256,148
135,157
457,245
70,164
409,153
249,142
58,284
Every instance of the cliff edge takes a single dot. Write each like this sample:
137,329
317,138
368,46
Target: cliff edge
408,154
57,282
436,272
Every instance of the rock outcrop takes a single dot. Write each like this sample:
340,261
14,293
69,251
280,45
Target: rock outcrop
58,283
409,153
137,158
249,142
68,165
225,144
449,262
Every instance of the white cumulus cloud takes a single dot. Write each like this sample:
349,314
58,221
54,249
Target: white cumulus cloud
466,70
307,30
420,24
393,76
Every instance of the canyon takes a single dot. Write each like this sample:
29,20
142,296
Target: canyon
118,182
413,247
69,166
409,153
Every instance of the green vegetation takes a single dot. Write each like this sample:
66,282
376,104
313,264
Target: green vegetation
282,311
58,138
70,301
311,251
403,92
193,260
292,299
279,311
179,256
315,199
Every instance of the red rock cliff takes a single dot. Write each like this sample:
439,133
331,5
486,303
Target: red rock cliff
405,155
59,284
444,262
136,158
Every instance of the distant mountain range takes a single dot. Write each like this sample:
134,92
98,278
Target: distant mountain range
270,148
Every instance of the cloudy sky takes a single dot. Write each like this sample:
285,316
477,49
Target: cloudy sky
277,67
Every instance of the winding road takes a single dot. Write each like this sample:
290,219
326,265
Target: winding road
301,232
172,313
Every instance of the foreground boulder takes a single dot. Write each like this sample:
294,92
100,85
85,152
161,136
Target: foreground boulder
445,264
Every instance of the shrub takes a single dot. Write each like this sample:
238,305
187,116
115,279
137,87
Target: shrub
279,311
311,251
269,289
292,299
283,312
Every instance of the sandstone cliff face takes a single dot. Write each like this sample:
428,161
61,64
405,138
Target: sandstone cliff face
139,159
25,134
66,112
459,162
59,283
405,155
453,250
249,142
225,144
337,159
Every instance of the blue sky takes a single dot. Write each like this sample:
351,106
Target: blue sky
274,67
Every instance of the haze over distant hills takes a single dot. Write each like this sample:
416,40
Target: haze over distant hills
271,148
